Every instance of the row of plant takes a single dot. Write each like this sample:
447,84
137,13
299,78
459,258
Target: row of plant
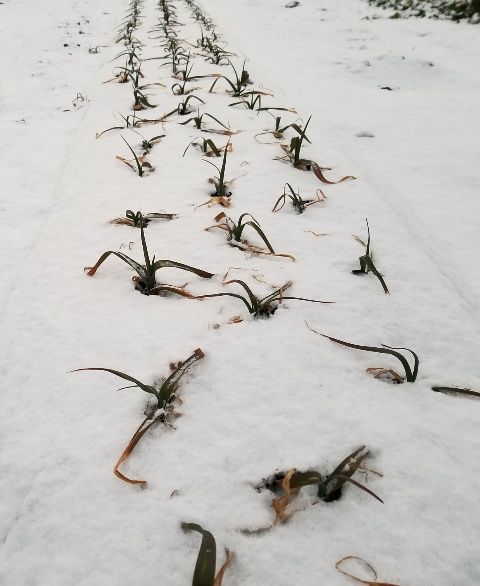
178,54
447,9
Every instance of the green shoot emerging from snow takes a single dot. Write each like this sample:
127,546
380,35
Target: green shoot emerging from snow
293,154
137,219
366,262
238,84
140,166
298,203
235,231
198,123
145,280
162,411
410,374
260,307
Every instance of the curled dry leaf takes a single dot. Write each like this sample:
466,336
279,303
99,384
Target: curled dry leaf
369,567
280,504
146,424
387,375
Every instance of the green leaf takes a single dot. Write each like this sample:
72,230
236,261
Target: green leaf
143,387
204,574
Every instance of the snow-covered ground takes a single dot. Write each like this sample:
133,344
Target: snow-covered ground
270,395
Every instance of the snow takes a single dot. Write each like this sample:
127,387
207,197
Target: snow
270,394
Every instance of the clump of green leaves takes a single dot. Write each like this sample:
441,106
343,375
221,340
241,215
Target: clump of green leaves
235,231
237,84
297,202
146,281
183,108
205,568
137,219
410,373
366,262
147,144
162,411
260,306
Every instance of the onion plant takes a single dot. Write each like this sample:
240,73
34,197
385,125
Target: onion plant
145,280
296,200
410,373
137,219
280,129
366,263
162,409
205,568
207,147
198,123
329,486
260,307
140,164
238,84
293,154
185,76
183,109
235,231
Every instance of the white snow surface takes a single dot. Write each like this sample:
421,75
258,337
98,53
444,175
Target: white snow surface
270,394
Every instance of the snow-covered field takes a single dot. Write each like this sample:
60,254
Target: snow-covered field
270,395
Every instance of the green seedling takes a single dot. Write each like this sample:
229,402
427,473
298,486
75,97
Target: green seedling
298,203
279,130
253,101
207,147
238,84
161,411
140,164
131,121
293,151
410,374
260,307
235,231
198,123
183,109
133,59
329,487
147,144
185,76
176,57
293,154
205,568
146,281
366,262
218,56
221,194
137,219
